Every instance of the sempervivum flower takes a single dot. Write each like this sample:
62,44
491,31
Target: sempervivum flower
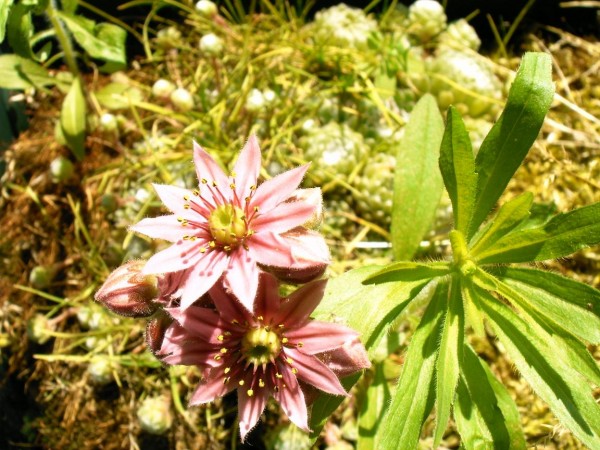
273,352
229,226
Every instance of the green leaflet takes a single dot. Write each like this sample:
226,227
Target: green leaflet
373,407
558,384
457,165
408,271
413,397
4,9
417,181
73,119
19,30
104,41
21,73
485,414
509,216
449,358
561,236
513,134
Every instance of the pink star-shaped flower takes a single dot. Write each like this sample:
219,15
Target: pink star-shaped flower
229,226
276,351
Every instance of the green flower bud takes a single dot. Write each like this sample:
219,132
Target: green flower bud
40,277
61,169
182,99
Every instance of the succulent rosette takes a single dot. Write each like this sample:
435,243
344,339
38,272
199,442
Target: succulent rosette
229,227
276,351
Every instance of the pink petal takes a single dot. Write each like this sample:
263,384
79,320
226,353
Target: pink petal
208,169
247,168
250,407
314,372
308,247
174,198
179,256
200,354
267,298
241,277
296,309
229,308
198,322
284,217
347,359
214,385
291,397
208,269
163,227
318,337
270,249
274,191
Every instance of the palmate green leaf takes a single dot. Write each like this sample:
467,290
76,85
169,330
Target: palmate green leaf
413,397
486,416
564,390
457,165
409,271
509,140
4,9
449,358
417,180
370,310
103,41
373,407
562,235
73,119
509,216
21,73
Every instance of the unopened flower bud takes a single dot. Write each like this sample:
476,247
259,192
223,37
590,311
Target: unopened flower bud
313,197
211,44
162,88
155,330
37,329
40,277
154,414
182,99
128,292
206,8
61,169
101,369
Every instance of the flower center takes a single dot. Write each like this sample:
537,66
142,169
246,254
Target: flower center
261,345
227,225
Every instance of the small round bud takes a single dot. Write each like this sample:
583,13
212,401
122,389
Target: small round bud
426,19
108,123
182,99
211,44
37,329
61,169
162,88
101,369
155,415
109,202
255,101
40,277
206,8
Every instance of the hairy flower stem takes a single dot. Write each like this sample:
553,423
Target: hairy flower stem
63,38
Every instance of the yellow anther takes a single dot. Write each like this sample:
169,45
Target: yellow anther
227,333
284,340
250,392
278,375
290,361
260,317
261,383
217,357
186,206
256,209
223,350
214,183
212,244
196,192
253,187
233,174
220,337
241,383
232,185
202,249
235,322
294,370
204,181
300,344
227,370
227,248
186,198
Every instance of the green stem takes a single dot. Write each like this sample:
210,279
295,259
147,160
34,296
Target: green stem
63,38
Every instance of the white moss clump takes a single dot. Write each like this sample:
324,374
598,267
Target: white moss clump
182,99
426,19
162,88
343,26
155,415
206,8
101,369
460,34
211,44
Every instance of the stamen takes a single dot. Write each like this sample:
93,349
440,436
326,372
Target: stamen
220,337
250,392
233,174
261,318
227,370
241,383
278,375
217,357
232,185
284,340
186,198
196,192
294,370
204,181
223,350
261,382
300,344
290,361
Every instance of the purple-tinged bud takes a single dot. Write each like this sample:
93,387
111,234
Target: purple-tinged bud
128,292
155,330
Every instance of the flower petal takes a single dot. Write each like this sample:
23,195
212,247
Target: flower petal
291,398
318,337
267,297
207,270
250,407
270,249
308,247
208,169
214,385
247,168
198,322
241,277
284,217
179,256
229,308
296,309
314,372
162,227
174,198
347,359
278,189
